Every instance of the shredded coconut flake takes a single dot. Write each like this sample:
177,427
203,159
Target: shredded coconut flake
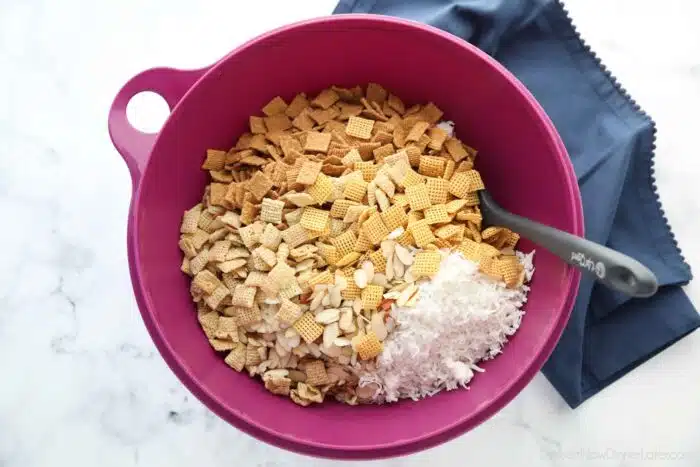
448,126
461,318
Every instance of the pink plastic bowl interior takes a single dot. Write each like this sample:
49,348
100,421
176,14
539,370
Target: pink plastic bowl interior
521,158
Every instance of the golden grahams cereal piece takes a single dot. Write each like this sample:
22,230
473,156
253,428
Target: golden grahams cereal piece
275,106
309,171
317,142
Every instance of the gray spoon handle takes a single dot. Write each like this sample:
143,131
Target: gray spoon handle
610,267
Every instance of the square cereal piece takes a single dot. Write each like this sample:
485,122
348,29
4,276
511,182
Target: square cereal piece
271,210
418,197
395,217
377,258
295,235
417,131
422,235
431,166
317,142
190,220
355,190
426,263
277,123
344,243
326,98
449,230
328,252
437,190
414,155
250,236
337,227
316,373
369,346
340,207
219,250
314,219
372,296
437,214
303,121
299,103
248,212
199,262
257,125
348,259
376,93
412,178
308,328
207,281
216,160
236,358
352,291
405,239
464,183
354,213
456,149
431,113
400,199
289,312
246,315
291,290
359,127
217,194
266,255
324,277
369,170
322,188
217,296
271,236
275,106
437,138
362,244
252,356
449,169
397,104
383,151
309,171
351,157
259,185
375,229
243,296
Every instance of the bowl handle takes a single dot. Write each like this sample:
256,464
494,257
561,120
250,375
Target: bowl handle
134,145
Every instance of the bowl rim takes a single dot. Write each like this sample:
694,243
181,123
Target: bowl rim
399,447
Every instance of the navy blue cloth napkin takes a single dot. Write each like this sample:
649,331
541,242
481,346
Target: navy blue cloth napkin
611,144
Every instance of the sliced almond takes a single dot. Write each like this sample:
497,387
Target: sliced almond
357,306
368,267
330,333
382,200
396,233
297,376
380,279
399,268
353,359
403,254
335,298
347,323
314,350
377,326
304,265
328,316
332,351
326,300
360,277
316,302
388,247
372,194
406,295
408,275
389,270
341,342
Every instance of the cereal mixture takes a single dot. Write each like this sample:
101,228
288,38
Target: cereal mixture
320,225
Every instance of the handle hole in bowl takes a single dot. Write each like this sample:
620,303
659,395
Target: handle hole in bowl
147,112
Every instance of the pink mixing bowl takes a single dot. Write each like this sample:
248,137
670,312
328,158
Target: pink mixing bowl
522,159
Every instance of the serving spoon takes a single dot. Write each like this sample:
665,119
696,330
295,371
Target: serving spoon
612,268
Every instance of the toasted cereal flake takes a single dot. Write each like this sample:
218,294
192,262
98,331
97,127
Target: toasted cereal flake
437,138
418,197
376,93
449,169
259,185
206,281
257,125
308,328
456,149
417,131
299,103
279,122
348,259
216,160
326,98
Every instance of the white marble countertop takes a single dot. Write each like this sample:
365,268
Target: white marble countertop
82,384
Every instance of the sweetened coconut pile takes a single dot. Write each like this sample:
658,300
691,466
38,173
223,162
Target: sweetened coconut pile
461,318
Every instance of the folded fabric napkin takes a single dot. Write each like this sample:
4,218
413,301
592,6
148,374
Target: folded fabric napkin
611,144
